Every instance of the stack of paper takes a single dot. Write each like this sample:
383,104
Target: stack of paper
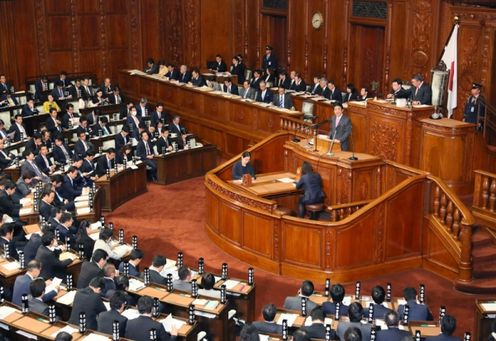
54,285
67,255
170,322
288,317
83,210
68,298
230,284
25,211
95,337
6,311
135,285
122,250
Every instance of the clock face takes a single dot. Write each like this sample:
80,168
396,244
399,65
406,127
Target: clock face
317,20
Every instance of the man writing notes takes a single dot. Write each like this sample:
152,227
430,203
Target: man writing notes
421,92
340,127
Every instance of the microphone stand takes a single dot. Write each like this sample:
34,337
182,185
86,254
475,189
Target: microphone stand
329,152
352,157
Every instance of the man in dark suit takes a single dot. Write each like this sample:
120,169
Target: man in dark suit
35,301
58,92
417,311
294,302
220,65
172,74
379,295
268,325
48,256
68,117
134,261
311,183
87,92
229,87
47,208
69,190
355,314
29,109
18,129
5,158
247,92
41,88
106,319
392,333
397,90
122,138
315,86
158,115
283,81
116,97
7,204
282,99
421,92
337,294
475,107
144,151
335,93
151,67
61,152
31,248
340,127
22,282
87,169
67,230
139,328
448,326
92,269
105,162
163,143
76,90
53,124
317,329
323,89
264,95
82,146
43,162
6,89
177,128
269,60
107,88
197,79
184,74
255,81
156,268
88,301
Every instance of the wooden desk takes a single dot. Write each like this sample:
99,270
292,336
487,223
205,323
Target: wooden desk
485,315
268,185
186,164
122,186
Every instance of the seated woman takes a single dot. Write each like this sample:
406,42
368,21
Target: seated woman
50,104
243,167
311,183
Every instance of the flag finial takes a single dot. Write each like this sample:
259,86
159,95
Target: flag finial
456,18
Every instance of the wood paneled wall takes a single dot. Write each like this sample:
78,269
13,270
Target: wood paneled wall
102,36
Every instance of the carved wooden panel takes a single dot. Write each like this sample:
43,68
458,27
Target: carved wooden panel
58,6
230,222
292,250
258,234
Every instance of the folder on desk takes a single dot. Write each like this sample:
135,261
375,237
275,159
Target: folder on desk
6,311
170,322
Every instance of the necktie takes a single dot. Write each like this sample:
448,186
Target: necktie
147,148
66,154
85,146
337,121
281,101
109,165
36,169
45,87
46,162
416,91
61,94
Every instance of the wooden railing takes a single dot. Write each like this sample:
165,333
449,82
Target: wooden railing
490,126
457,220
484,200
296,126
339,212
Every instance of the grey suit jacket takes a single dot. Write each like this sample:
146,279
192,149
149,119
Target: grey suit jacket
251,93
26,167
267,327
294,303
342,131
181,285
37,306
288,101
364,328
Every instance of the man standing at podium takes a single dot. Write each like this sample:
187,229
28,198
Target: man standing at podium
340,127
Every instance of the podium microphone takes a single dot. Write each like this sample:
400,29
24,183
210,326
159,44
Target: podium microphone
352,157
329,152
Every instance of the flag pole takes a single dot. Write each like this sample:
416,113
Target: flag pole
456,20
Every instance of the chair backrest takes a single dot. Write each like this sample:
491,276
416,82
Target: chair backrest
108,144
248,74
5,117
307,107
51,85
32,88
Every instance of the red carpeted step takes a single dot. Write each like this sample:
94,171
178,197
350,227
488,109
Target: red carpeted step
484,270
478,286
481,238
484,253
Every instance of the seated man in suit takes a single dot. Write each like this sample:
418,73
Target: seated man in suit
283,80
183,283
164,144
116,97
184,74
392,333
282,99
317,329
355,313
43,162
247,92
172,73
323,89
379,295
107,88
101,128
151,67
421,92
106,319
229,87
88,169
68,118
18,129
7,238
29,109
134,260
364,95
83,146
299,83
397,90
22,282
53,124
311,184
417,311
156,268
5,158
294,302
109,273
315,86
67,230
158,115
47,208
268,325
335,93
144,151
83,126
31,248
59,92
340,127
7,204
105,162
197,79
41,88
255,81
337,294
88,301
35,301
69,189
220,65
122,138
264,94
48,255
448,326
24,185
62,154
93,268
139,328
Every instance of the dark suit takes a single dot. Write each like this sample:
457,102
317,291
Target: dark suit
89,302
269,61
66,119
103,164
106,319
184,77
46,210
109,287
40,94
285,83
27,111
324,92
255,83
268,97
43,165
5,160
89,270
336,95
80,150
330,308
249,93
318,331
8,206
17,132
233,90
162,144
442,337
52,266
417,311
116,98
157,278
401,93
180,131
59,156
350,96
302,86
141,152
238,70
342,132
294,303
58,93
120,141
31,247
220,67
380,311
133,271
151,70
474,110
174,74
422,94
264,327
391,334
21,286
311,183
364,328
53,127
287,101
69,190
139,329
12,249
200,81
38,306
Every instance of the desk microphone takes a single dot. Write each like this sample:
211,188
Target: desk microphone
352,157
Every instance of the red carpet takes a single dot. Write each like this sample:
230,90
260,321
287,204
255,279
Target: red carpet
171,218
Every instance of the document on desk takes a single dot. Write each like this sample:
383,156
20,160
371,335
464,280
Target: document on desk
230,284
122,250
80,204
291,318
83,210
95,337
54,285
82,198
68,298
25,211
286,180
6,311
200,302
170,322
135,285
131,313
11,266
68,329
67,255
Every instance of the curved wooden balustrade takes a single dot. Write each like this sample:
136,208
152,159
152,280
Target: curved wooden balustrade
296,125
340,212
401,227
484,199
